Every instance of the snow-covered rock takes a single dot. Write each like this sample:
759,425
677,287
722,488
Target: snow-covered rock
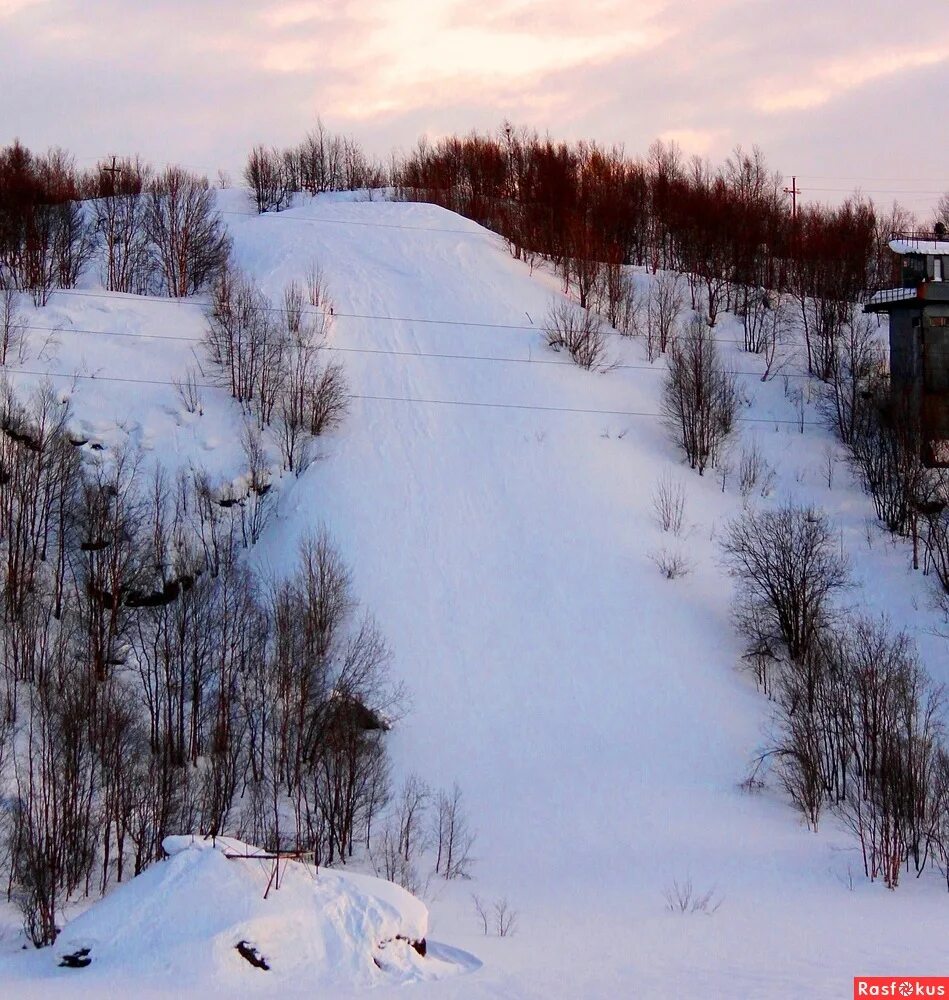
184,918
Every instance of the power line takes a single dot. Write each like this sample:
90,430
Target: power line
344,315
441,355
883,180
408,399
109,333
915,191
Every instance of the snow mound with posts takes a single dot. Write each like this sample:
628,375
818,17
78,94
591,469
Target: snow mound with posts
201,914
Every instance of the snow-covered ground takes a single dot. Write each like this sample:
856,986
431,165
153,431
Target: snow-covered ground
495,504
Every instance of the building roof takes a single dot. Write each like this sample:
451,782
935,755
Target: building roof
920,245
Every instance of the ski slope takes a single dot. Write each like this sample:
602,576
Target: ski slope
495,504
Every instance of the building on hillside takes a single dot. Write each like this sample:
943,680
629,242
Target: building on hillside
918,309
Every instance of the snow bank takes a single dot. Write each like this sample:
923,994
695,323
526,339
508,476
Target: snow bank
186,916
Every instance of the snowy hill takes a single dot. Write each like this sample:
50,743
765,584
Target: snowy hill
327,930
496,505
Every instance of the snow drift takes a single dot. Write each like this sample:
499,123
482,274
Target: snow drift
202,915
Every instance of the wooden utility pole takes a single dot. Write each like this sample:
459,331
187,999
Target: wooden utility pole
113,171
793,191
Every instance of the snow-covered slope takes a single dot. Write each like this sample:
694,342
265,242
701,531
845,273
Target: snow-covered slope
495,503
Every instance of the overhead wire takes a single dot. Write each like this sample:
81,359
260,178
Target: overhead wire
539,407
438,355
336,314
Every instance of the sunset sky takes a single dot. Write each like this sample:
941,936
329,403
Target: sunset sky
841,93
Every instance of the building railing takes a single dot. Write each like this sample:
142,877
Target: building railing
922,239
893,295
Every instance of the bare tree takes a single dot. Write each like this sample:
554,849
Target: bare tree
453,836
626,312
412,805
12,328
663,308
699,400
766,321
788,566
258,505
121,226
313,395
270,180
245,343
855,365
189,238
941,211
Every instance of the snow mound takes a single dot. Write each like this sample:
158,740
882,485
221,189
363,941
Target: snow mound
201,914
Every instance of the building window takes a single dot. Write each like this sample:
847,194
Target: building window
937,268
939,320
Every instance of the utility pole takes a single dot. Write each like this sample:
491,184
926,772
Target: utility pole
113,171
793,191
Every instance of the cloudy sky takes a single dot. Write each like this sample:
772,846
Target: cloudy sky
843,93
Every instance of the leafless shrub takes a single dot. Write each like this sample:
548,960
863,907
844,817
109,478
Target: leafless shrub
482,911
628,312
799,760
766,318
668,502
755,472
328,399
752,784
505,918
682,897
672,564
500,917
578,332
188,390
317,288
